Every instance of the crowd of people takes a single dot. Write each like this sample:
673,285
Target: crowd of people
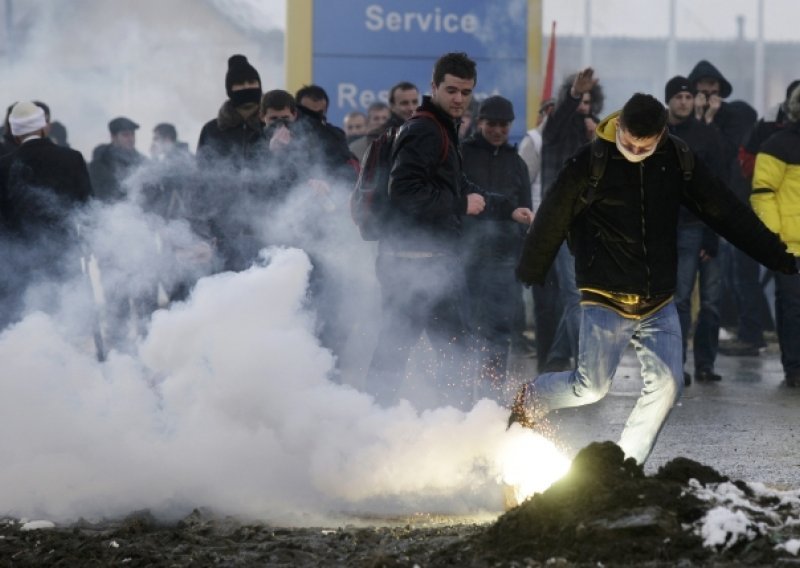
612,222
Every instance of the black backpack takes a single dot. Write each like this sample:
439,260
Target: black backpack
369,201
599,158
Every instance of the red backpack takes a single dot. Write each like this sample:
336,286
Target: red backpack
369,201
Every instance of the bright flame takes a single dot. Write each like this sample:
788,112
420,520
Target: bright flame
529,462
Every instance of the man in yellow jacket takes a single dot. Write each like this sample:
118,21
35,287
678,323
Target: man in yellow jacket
776,200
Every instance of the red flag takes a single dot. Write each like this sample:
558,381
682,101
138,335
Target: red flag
547,87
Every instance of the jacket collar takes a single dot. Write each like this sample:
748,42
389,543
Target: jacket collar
450,123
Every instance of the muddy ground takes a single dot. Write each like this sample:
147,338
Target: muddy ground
605,512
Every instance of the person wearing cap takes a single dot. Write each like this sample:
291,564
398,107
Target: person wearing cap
41,184
492,246
741,274
776,200
234,136
112,163
698,245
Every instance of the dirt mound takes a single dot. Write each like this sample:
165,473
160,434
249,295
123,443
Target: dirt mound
606,510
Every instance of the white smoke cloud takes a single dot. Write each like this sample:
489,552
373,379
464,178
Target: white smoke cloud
225,404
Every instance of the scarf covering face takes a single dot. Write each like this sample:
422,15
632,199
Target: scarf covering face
634,158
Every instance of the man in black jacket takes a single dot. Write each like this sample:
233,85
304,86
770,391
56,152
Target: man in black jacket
112,163
624,239
418,266
41,184
234,136
492,246
698,245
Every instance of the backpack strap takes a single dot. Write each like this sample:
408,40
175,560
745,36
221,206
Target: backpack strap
445,141
685,157
598,158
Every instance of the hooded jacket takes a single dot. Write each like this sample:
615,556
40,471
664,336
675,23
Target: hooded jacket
624,242
705,70
776,185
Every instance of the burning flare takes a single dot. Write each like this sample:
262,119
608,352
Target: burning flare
529,463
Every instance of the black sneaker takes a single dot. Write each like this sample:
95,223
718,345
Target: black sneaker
793,380
707,375
519,410
687,379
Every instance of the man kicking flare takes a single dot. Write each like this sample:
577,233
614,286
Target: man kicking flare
617,203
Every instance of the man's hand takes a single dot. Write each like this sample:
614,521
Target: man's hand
475,204
280,139
522,215
714,104
583,83
591,126
706,107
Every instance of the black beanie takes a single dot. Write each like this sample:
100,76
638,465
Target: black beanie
239,71
676,85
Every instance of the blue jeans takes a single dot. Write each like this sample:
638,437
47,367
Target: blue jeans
565,343
706,334
604,336
787,320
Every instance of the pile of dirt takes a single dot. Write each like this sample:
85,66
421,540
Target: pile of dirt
605,510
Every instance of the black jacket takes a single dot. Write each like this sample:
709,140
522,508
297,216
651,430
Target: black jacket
565,132
706,142
109,167
428,189
504,172
41,184
625,241
231,138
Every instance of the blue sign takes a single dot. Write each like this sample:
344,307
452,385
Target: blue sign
361,48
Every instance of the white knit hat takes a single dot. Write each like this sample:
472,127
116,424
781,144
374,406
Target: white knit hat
25,118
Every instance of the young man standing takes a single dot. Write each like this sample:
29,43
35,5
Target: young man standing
623,235
418,267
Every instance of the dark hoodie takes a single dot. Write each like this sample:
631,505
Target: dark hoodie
705,70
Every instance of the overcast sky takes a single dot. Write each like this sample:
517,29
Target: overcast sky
714,19
643,18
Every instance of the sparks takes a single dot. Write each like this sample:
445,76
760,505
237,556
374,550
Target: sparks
529,463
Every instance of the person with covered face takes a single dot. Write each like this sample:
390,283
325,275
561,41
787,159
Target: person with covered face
698,245
233,138
623,234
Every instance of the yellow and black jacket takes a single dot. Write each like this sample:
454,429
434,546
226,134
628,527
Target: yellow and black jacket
776,185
